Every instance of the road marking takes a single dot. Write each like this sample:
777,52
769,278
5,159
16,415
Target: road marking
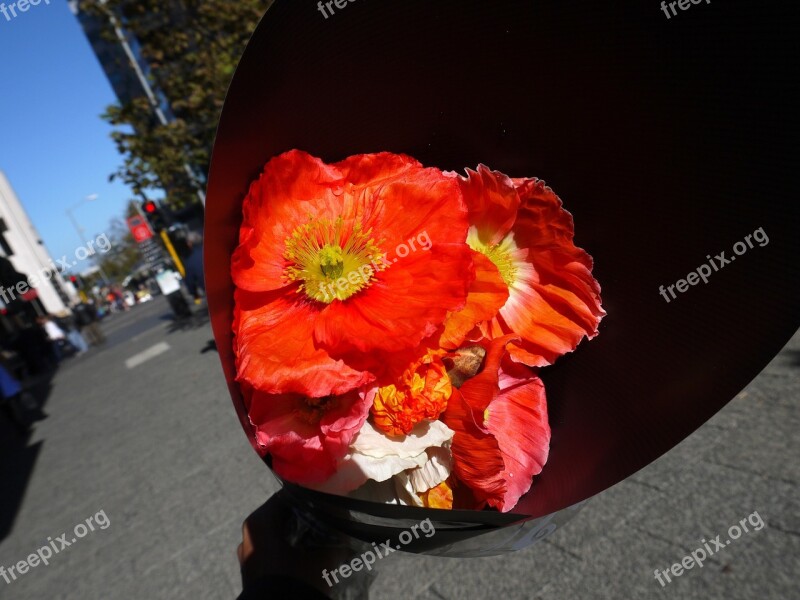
145,355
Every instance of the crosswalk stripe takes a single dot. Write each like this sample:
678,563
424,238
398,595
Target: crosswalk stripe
145,355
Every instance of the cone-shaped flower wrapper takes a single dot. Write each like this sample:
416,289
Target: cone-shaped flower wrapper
406,319
389,320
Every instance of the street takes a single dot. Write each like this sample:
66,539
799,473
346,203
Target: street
158,449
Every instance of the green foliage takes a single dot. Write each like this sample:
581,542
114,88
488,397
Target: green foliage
192,48
123,257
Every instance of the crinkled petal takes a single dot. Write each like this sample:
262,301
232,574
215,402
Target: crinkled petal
487,295
303,450
501,432
293,187
554,301
492,202
477,460
435,470
405,305
378,457
276,351
517,418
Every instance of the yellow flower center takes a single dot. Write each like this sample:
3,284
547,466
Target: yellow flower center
500,254
331,261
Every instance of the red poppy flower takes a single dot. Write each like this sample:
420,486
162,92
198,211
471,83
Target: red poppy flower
553,300
306,437
502,437
365,256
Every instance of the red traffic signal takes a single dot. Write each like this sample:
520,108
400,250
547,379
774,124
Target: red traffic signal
155,215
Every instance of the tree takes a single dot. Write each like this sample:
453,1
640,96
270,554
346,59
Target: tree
191,49
123,256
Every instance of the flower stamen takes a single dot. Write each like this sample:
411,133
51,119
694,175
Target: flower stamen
330,260
501,254
311,410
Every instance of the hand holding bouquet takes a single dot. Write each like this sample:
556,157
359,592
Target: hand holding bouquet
390,320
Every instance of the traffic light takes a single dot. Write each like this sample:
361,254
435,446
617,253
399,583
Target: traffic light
154,215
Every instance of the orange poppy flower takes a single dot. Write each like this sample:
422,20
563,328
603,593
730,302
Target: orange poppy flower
553,301
362,257
502,437
421,393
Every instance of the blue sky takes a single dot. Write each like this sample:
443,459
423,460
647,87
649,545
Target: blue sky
54,148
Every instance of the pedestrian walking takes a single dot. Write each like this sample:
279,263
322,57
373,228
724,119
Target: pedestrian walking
56,335
75,338
86,317
193,263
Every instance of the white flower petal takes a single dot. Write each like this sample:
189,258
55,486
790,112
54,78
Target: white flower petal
376,444
435,470
405,491
379,457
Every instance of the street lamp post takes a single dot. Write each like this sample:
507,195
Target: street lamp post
79,230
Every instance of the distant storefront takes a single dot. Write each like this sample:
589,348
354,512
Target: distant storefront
24,260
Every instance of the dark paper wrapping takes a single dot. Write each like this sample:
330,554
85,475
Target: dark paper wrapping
670,138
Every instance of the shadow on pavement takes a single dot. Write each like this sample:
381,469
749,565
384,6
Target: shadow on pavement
794,357
198,319
18,458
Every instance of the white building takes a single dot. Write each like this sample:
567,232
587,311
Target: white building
21,244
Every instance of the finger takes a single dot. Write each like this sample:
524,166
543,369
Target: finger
246,547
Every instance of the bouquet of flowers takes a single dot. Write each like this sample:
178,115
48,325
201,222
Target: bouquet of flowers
390,322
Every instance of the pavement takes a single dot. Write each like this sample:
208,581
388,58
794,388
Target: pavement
154,455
